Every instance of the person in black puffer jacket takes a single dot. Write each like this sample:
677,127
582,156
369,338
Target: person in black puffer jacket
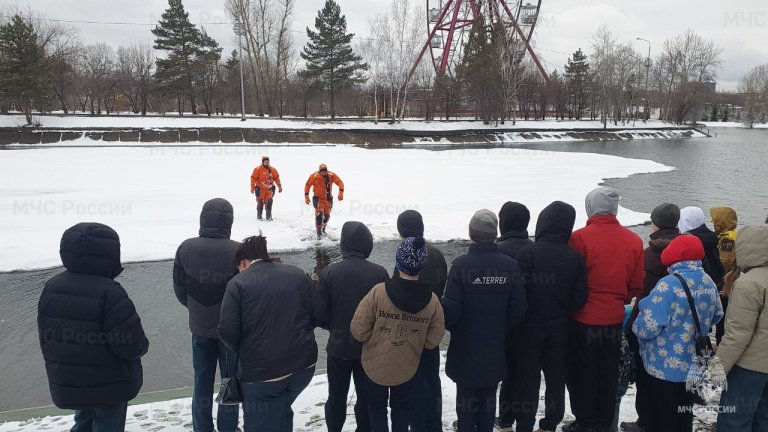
513,224
555,280
268,318
426,410
201,270
90,334
692,221
342,286
484,297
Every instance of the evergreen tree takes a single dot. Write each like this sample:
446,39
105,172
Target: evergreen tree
577,75
715,116
478,69
331,62
190,53
22,66
725,114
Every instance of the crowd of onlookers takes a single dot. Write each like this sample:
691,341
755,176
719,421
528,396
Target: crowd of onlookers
594,310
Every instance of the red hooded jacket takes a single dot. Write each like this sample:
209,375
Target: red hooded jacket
614,258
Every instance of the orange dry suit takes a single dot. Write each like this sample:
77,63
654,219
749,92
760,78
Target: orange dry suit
322,188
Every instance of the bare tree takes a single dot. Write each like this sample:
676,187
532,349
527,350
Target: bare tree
684,67
97,66
754,86
134,68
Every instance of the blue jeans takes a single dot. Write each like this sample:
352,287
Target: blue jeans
206,353
111,419
747,395
267,405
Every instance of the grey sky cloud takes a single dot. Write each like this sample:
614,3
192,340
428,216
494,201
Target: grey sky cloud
740,27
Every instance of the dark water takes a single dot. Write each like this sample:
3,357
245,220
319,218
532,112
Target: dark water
727,170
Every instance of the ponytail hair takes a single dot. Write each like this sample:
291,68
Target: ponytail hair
253,248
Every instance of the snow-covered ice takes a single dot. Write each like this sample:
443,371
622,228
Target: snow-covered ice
152,196
175,415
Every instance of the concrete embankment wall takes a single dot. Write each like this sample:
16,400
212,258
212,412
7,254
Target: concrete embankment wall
374,138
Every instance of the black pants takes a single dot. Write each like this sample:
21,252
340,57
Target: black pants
339,374
399,404
426,411
720,327
671,406
540,349
476,408
593,373
506,393
640,381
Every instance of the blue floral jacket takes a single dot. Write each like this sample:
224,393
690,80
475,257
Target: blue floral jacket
665,326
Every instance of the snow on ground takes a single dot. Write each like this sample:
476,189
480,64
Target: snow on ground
153,196
732,125
175,415
88,122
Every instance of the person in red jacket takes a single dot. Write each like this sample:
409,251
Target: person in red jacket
614,260
321,182
263,181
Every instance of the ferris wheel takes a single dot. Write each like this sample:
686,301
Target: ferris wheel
449,24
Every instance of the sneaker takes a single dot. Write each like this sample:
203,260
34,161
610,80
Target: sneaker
503,427
631,427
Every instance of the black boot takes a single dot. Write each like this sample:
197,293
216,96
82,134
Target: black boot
260,210
269,210
319,233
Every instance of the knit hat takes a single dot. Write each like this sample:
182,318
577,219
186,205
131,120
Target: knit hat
410,224
666,216
483,227
691,218
411,256
684,247
603,201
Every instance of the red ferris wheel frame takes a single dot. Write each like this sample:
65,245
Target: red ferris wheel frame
448,20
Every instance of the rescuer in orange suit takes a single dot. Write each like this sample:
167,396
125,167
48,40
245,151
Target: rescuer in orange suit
321,183
263,181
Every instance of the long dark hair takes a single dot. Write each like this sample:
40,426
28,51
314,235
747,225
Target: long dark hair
253,248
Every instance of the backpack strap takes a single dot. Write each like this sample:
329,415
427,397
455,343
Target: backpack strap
691,303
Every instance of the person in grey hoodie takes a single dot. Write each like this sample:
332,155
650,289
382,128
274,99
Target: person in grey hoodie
342,286
201,270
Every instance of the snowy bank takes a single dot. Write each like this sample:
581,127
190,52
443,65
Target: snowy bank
153,196
191,122
732,125
175,415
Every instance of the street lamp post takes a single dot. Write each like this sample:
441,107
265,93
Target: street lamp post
648,64
239,31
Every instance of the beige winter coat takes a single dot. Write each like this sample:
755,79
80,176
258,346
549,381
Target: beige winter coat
394,339
746,327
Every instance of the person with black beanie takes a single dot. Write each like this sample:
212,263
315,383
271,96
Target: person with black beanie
426,392
513,225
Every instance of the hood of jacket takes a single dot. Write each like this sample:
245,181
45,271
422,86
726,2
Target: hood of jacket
356,240
216,219
514,216
752,247
661,238
91,248
555,223
691,218
409,296
724,219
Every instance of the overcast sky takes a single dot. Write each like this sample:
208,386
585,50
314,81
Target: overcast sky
740,27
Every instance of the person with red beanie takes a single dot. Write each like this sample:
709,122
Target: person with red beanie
667,331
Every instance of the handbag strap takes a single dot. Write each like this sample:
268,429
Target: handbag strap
691,303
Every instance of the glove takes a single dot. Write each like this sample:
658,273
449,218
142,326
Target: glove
306,199
280,190
341,195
